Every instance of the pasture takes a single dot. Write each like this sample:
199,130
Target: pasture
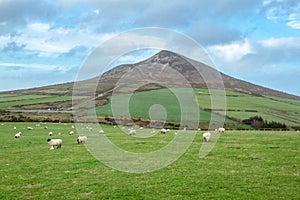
15,101
240,106
242,165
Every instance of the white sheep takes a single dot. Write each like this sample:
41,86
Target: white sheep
164,131
50,133
132,132
206,136
101,131
71,133
17,135
54,142
221,130
81,139
29,128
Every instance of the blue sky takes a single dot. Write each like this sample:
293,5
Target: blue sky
45,42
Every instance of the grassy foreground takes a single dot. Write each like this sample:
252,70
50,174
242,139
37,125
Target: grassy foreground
242,165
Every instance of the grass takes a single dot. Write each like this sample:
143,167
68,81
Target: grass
242,165
148,104
140,105
239,106
16,101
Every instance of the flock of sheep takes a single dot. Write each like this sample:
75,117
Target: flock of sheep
206,136
82,139
56,142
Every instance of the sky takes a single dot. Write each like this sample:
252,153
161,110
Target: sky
46,42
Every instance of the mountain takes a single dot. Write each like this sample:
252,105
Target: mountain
154,68
164,69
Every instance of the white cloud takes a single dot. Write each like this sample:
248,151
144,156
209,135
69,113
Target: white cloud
34,66
281,43
232,52
39,27
294,20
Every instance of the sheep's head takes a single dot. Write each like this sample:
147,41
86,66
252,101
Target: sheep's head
48,140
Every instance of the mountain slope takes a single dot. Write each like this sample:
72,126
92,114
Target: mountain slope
188,68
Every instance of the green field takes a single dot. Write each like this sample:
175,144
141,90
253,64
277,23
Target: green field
16,101
239,106
163,104
242,165
140,104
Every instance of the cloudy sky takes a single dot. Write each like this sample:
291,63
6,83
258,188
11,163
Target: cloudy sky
46,42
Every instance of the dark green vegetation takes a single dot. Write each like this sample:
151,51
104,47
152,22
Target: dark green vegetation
242,165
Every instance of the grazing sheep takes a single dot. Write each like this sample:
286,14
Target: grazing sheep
29,128
54,142
73,127
71,133
206,136
45,127
50,133
221,130
17,135
164,131
101,131
132,132
15,128
81,139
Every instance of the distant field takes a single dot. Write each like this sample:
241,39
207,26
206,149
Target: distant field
242,165
141,103
148,104
16,101
239,106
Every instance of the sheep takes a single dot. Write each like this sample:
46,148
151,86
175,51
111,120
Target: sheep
206,136
101,132
54,142
17,135
81,139
132,132
71,133
50,133
164,131
29,128
221,130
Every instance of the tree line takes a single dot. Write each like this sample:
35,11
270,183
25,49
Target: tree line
258,122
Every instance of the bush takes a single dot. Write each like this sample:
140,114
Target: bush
257,122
